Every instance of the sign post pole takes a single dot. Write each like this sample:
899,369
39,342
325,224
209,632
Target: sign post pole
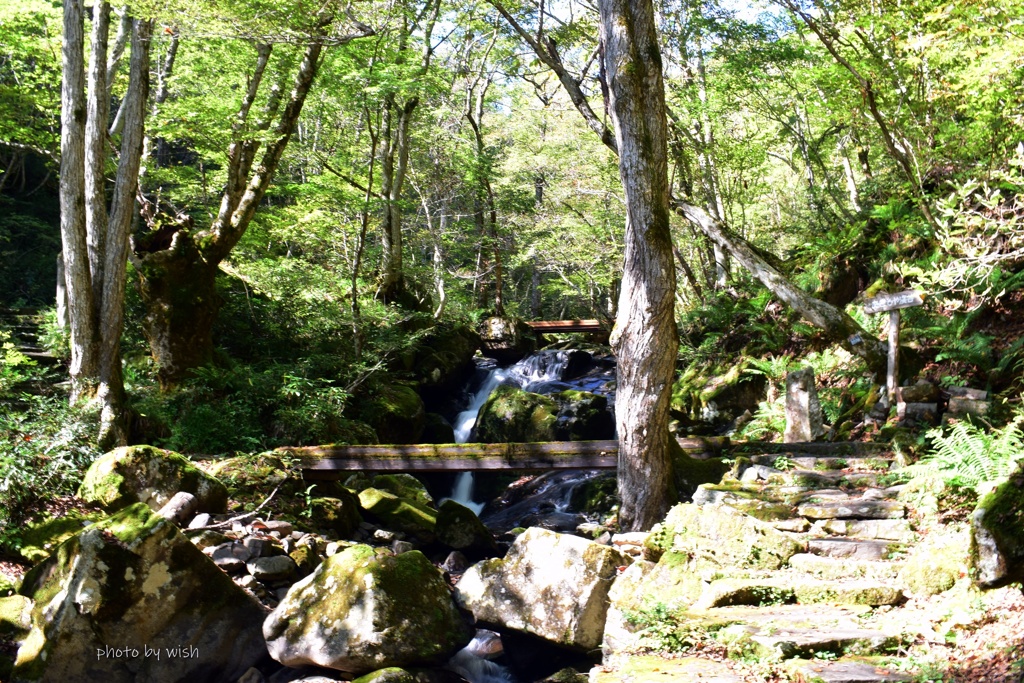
893,370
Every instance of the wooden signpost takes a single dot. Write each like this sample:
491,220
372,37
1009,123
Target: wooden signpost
893,303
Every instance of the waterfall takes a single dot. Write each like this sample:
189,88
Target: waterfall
465,420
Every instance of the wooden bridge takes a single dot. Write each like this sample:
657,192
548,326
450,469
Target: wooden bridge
335,462
542,326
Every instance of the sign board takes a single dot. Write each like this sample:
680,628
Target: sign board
892,302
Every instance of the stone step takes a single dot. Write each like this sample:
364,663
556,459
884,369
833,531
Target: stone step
854,549
898,530
836,568
855,508
654,669
846,670
872,463
788,631
806,478
782,589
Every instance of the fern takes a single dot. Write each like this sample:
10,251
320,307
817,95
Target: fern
968,456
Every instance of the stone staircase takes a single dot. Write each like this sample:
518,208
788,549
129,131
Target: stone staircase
822,614
25,325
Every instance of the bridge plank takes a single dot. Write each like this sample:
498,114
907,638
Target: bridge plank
333,461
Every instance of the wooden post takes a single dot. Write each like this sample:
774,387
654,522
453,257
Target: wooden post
892,375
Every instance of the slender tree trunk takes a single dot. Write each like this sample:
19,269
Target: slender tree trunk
645,339
81,311
395,163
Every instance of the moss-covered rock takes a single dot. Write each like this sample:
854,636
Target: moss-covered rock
15,616
306,560
337,517
149,475
506,340
133,581
391,674
404,486
39,539
997,528
459,528
937,563
550,585
361,611
443,358
512,415
398,513
721,536
395,412
583,416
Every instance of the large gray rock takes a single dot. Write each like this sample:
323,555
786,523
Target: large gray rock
361,611
997,529
506,339
550,585
131,586
803,409
149,475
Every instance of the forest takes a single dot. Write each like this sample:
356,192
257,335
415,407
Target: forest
242,238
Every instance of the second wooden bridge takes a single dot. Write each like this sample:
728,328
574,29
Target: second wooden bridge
335,462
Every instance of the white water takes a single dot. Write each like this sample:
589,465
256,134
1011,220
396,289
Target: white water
544,366
477,669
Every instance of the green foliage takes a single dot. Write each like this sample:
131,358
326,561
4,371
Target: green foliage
15,367
660,629
969,456
45,446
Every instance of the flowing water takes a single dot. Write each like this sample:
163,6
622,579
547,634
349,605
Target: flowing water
544,372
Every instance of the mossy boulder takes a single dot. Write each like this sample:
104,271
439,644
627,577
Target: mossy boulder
129,582
511,415
583,416
404,486
15,616
149,475
399,514
395,412
722,537
506,340
336,516
443,358
40,538
362,611
550,585
997,528
459,528
938,562
391,674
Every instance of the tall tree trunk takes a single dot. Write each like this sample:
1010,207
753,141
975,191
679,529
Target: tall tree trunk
395,163
81,311
94,241
645,340
834,322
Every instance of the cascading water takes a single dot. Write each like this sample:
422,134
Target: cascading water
542,372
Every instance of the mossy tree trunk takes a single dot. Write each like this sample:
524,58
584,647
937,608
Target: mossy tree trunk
177,266
645,340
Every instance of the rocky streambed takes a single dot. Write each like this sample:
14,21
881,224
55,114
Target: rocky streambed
814,568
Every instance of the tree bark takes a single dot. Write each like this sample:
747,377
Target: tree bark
94,241
645,339
72,203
